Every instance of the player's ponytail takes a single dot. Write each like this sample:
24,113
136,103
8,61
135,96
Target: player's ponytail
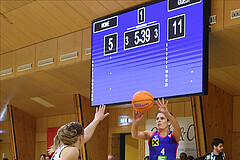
56,144
67,135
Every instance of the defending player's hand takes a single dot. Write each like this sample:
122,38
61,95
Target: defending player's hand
162,105
137,115
100,113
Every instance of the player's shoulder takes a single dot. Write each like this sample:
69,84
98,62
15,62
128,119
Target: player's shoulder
70,152
151,133
71,149
148,133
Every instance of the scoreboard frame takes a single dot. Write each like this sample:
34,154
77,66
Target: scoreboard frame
206,30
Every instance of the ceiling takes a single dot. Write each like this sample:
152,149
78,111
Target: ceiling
28,22
34,21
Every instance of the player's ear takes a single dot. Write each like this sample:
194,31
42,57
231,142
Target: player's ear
169,123
80,138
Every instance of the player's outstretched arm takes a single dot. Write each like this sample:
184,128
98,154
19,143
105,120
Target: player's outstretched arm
89,130
144,135
163,109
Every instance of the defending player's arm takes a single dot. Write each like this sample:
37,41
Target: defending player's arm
89,130
144,135
163,109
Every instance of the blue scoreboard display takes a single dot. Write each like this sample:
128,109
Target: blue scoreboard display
160,47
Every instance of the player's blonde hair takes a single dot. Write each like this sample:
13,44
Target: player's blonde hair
67,135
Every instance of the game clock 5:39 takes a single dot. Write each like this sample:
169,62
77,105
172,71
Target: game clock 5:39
142,36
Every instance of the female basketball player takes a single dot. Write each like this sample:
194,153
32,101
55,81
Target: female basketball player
162,143
72,136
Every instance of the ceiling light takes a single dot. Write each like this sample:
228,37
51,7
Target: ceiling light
42,102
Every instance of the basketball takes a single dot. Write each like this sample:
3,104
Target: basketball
142,101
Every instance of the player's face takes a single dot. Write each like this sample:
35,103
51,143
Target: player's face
161,121
219,148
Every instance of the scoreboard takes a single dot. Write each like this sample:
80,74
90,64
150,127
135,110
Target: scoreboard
160,47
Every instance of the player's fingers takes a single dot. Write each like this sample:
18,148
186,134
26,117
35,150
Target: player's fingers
102,107
106,115
96,109
141,115
159,101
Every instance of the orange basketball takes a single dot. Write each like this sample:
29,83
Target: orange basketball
142,101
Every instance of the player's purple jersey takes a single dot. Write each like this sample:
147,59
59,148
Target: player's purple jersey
162,148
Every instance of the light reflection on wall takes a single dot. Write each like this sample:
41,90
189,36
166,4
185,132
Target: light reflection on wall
3,113
1,131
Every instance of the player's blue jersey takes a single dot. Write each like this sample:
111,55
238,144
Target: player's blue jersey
162,148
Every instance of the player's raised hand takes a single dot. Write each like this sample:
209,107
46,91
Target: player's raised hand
100,113
137,116
162,105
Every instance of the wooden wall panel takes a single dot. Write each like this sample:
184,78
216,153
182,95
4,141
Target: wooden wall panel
229,6
236,114
141,148
25,133
178,109
7,61
6,149
40,148
41,129
86,43
199,126
235,146
218,111
25,56
115,146
236,128
45,50
217,9
68,44
5,143
100,136
188,109
112,118
5,136
55,121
